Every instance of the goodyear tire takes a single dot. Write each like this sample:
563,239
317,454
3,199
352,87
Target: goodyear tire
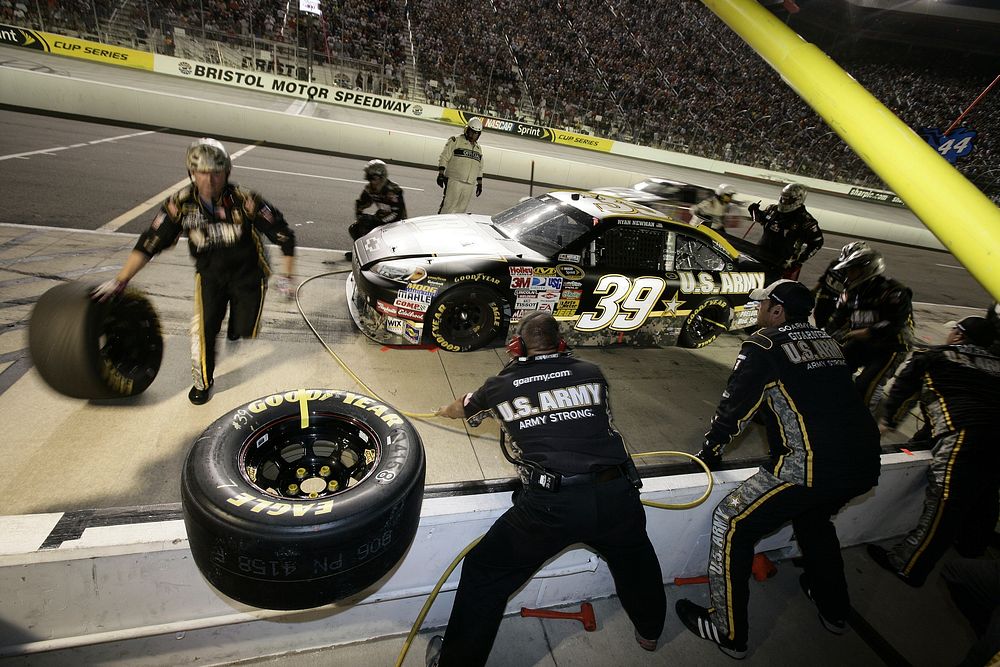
91,350
707,320
303,498
466,318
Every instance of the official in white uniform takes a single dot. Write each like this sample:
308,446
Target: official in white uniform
460,168
712,211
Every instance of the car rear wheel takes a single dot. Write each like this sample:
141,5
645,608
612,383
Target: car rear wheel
466,318
706,322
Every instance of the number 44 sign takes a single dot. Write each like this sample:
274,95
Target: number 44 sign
952,146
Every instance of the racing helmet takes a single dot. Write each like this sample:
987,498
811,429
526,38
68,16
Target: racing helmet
851,248
725,190
208,155
792,197
376,168
868,260
475,124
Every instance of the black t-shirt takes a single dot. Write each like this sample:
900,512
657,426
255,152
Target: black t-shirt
554,408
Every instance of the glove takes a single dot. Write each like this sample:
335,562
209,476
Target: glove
441,180
754,209
285,287
479,188
789,263
709,458
108,290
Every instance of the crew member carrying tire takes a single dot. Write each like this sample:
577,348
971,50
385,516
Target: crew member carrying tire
791,235
460,168
224,223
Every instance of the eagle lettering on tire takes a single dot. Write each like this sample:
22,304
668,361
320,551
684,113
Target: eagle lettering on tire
302,498
466,318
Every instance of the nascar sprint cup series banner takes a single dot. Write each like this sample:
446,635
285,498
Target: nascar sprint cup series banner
75,48
538,132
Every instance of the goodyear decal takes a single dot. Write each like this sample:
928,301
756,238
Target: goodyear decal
75,48
304,396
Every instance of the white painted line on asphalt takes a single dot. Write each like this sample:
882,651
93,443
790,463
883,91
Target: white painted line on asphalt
155,200
951,266
50,151
946,305
325,178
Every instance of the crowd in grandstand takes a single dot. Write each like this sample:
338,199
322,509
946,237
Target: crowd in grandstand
668,74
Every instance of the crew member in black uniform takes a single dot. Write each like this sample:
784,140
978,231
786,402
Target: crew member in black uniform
959,390
579,486
224,224
383,194
791,235
824,448
831,284
873,320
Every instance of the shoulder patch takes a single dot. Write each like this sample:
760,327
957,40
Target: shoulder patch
760,339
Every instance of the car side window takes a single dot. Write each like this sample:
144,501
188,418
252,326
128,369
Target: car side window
640,250
693,254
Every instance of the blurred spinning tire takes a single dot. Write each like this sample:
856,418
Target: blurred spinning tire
90,350
302,498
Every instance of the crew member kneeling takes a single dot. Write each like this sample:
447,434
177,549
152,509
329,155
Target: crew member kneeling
579,487
824,451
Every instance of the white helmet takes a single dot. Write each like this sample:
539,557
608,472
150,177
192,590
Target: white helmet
376,168
792,197
474,124
725,190
208,155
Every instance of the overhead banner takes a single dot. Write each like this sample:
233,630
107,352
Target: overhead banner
75,48
538,132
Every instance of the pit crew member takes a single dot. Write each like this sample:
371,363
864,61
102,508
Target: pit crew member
831,284
460,168
383,194
791,235
712,211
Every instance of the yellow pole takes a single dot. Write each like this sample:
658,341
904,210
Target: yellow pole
955,211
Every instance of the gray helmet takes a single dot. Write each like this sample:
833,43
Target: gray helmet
867,259
376,168
851,248
208,155
725,190
792,197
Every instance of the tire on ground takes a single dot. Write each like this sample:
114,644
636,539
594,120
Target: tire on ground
466,318
300,499
707,321
91,350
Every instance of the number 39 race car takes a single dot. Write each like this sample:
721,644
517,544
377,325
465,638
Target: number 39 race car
612,271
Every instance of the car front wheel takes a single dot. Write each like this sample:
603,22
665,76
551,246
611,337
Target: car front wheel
466,318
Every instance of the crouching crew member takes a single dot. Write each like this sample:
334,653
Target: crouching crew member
224,224
383,194
824,448
579,487
959,391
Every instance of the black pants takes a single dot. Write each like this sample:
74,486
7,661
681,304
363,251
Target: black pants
975,587
607,517
757,507
960,502
877,367
244,297
364,224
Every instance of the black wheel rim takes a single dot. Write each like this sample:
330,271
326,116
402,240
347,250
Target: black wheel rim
332,454
467,322
702,326
130,340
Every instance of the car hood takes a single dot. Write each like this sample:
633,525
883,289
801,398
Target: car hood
435,235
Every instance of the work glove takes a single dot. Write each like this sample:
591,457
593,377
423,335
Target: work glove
710,457
479,188
441,180
107,290
754,209
285,287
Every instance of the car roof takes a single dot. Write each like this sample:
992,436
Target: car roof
590,203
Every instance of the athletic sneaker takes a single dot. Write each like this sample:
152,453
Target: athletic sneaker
433,653
836,627
697,620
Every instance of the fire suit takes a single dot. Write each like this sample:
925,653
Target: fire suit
959,391
824,448
712,212
389,207
463,167
788,240
884,307
231,265
554,408
828,289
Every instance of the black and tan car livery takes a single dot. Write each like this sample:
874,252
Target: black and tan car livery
612,271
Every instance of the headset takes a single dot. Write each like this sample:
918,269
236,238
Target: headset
517,349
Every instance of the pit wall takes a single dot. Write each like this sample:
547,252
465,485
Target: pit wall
130,592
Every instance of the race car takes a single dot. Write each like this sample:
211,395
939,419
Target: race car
612,271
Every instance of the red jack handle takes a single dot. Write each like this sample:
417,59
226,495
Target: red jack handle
585,615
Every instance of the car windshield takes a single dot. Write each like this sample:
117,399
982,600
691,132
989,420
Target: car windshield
543,224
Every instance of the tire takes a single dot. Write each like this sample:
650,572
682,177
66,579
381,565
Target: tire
466,318
709,318
269,527
85,349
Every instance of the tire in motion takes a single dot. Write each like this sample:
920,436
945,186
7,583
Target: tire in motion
466,318
91,350
300,499
706,322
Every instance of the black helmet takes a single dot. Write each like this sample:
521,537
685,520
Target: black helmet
867,259
376,168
